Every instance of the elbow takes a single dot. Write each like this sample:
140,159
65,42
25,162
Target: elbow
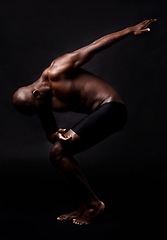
74,56
51,138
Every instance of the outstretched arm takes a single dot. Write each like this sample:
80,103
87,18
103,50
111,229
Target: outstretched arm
86,53
68,62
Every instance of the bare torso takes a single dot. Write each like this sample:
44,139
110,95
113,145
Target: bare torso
82,91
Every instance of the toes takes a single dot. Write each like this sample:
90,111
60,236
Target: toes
62,217
59,219
79,222
68,216
74,221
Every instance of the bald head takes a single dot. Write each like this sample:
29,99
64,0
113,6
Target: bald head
24,100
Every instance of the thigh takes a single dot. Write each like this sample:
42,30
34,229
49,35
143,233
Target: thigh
106,120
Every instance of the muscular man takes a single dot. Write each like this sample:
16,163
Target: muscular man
64,85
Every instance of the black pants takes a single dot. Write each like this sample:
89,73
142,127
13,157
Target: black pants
104,121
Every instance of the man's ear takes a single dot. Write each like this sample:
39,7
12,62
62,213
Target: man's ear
36,93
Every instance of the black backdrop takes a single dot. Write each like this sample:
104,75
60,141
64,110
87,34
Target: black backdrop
127,170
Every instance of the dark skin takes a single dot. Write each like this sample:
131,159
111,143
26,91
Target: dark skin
63,86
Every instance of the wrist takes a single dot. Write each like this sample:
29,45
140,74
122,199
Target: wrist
130,30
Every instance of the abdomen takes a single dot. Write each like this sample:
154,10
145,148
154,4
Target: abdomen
93,91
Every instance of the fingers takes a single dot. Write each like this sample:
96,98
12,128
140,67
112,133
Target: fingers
142,31
67,138
145,30
61,136
64,138
151,20
147,22
62,130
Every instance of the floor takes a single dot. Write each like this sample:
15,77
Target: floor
30,203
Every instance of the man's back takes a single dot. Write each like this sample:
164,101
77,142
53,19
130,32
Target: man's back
79,90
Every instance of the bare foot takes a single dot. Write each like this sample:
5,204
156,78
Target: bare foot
70,216
90,214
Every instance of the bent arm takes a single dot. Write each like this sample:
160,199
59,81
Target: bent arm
49,124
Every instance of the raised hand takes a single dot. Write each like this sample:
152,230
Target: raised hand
142,27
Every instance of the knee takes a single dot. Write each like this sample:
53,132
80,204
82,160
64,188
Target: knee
56,152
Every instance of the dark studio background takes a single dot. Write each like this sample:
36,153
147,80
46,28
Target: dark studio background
128,171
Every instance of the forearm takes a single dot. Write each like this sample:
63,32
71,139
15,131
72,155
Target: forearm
110,39
73,60
52,137
49,124
86,53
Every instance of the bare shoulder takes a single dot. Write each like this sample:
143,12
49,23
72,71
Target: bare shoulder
61,66
45,73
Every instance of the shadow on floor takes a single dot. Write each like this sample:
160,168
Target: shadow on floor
135,205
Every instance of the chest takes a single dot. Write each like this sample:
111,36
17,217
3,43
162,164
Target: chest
63,95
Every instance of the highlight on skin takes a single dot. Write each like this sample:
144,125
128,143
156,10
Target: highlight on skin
24,101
